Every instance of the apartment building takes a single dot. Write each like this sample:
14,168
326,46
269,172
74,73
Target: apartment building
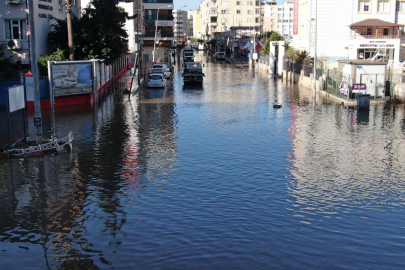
351,29
269,15
285,14
220,16
159,24
14,26
180,19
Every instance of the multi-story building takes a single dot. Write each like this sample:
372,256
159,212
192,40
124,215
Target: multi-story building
220,16
14,29
285,14
351,29
158,34
180,24
269,15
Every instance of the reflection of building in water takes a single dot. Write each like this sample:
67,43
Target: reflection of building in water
340,156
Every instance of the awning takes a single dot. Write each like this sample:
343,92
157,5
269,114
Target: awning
374,23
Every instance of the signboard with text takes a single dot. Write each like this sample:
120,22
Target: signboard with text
72,79
16,98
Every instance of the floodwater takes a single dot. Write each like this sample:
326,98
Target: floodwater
211,177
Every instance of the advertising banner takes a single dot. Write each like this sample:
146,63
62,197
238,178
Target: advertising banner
296,16
68,80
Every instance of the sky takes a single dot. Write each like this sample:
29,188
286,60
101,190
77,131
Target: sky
193,4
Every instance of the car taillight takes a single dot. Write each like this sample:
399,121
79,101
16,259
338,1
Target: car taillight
162,80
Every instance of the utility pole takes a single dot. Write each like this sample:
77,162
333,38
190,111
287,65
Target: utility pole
68,5
34,70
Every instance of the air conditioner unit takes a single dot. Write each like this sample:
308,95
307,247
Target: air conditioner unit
13,44
13,1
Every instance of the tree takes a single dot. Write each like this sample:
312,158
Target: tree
266,48
98,34
301,57
276,37
59,55
291,54
5,62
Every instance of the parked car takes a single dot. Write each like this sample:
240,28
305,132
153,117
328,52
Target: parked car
64,81
169,65
163,68
219,55
156,80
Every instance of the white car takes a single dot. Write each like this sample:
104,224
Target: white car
163,68
156,80
64,81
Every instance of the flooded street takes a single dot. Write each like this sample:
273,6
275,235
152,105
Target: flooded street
211,177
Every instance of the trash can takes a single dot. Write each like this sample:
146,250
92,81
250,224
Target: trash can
363,101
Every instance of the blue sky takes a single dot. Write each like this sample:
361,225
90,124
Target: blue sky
195,3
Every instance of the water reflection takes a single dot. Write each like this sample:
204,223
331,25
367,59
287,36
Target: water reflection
213,177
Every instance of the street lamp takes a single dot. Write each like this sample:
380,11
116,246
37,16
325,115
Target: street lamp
156,25
316,17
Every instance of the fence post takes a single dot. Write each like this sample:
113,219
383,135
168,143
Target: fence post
376,86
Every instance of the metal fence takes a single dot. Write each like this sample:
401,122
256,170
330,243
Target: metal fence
297,68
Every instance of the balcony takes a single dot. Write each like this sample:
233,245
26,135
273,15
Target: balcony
359,36
163,34
161,17
376,29
158,1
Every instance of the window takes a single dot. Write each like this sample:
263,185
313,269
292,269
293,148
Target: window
224,20
385,31
383,6
250,3
257,3
223,28
257,20
16,29
238,11
225,11
213,19
74,3
400,6
225,3
366,31
364,6
60,5
213,11
250,12
272,20
257,10
249,20
238,20
238,3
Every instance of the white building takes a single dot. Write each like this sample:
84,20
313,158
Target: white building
180,19
285,15
13,25
342,32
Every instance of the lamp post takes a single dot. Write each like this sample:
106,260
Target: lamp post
156,27
315,30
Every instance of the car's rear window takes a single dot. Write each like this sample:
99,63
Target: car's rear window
156,77
188,54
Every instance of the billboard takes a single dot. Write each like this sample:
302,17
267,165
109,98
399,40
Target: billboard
72,79
296,16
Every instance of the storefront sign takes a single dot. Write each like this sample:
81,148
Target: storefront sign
359,88
164,43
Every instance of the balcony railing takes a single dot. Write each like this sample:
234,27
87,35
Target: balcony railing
158,1
163,34
161,17
379,36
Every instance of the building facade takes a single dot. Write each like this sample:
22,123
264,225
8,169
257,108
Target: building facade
285,14
350,29
158,32
14,26
219,16
180,18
